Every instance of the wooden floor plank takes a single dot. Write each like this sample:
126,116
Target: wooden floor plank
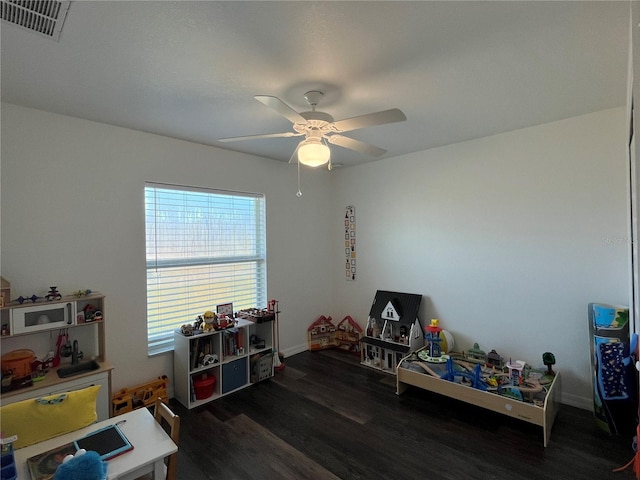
326,416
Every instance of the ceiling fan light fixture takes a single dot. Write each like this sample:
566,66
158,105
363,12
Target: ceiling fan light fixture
313,153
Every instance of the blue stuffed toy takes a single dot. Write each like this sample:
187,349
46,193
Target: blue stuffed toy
82,466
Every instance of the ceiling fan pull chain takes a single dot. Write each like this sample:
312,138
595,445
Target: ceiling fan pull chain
298,193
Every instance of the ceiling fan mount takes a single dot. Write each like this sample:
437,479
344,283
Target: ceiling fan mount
320,129
315,121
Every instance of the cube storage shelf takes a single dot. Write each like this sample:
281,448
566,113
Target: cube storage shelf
236,357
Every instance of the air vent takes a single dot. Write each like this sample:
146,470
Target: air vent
45,17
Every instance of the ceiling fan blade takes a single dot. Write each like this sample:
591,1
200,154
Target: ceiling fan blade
256,137
282,108
357,145
379,118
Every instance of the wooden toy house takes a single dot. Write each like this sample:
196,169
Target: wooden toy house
393,330
321,334
348,335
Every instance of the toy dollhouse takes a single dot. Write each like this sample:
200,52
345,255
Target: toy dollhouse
393,330
348,335
321,334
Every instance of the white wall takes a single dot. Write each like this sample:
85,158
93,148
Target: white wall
72,216
506,237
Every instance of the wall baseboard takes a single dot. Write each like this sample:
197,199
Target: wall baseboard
576,401
295,350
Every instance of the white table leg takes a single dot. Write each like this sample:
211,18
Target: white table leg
158,469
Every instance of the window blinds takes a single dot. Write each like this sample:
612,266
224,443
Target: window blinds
203,248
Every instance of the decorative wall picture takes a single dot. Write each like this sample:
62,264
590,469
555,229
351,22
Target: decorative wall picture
225,309
350,242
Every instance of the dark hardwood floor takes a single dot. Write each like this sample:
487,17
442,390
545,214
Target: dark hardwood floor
327,417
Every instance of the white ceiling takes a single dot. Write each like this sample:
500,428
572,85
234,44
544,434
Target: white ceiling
189,70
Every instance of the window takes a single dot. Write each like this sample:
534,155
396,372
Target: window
204,248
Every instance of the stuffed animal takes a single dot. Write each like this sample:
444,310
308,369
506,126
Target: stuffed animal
209,321
82,466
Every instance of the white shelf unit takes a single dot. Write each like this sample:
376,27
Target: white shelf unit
91,341
239,351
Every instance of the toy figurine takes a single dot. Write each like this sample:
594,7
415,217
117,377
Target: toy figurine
549,359
210,320
53,294
198,323
432,336
494,359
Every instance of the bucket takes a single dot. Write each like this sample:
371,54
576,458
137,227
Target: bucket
203,387
18,362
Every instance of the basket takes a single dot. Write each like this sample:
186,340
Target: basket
261,367
204,386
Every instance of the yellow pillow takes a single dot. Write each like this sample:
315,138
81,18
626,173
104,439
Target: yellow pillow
35,420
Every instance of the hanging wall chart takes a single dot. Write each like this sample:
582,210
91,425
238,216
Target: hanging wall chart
350,242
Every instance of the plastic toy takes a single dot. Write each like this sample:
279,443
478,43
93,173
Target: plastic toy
53,294
210,320
494,359
511,392
476,355
549,359
89,312
474,378
210,359
82,293
434,349
515,371
22,299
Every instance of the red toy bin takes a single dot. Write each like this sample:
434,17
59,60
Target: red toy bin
203,386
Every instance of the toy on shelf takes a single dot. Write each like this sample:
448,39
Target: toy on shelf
34,298
210,320
53,294
91,313
260,315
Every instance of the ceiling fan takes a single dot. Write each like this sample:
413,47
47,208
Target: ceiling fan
319,129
